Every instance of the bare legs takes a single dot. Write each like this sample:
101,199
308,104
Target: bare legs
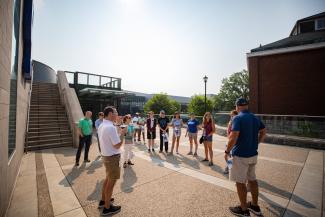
175,139
107,191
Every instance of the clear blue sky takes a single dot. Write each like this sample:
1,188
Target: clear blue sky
161,45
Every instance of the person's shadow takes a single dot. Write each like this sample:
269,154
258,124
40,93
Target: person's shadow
96,194
129,179
72,175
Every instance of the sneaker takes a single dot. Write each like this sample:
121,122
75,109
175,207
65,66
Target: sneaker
149,150
204,160
195,154
226,170
166,151
111,210
125,165
160,151
237,211
130,163
254,209
153,150
87,161
77,164
190,153
210,163
102,203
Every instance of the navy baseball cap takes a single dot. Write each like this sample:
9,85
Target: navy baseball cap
241,102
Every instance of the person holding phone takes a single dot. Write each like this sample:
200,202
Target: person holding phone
111,139
128,141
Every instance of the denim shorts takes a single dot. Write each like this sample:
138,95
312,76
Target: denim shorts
208,138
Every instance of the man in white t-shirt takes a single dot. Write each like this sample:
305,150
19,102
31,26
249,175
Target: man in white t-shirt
110,144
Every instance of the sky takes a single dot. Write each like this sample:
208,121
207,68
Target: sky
159,46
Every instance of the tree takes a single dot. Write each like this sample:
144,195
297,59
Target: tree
162,102
197,107
232,88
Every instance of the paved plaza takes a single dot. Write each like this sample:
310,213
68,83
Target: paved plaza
290,179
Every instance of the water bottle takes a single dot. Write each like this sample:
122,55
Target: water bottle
229,163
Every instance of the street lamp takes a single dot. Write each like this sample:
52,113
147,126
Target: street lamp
205,79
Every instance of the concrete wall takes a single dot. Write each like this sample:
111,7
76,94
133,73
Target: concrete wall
288,83
9,165
71,104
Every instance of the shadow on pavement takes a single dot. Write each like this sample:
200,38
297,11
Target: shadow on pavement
286,194
129,179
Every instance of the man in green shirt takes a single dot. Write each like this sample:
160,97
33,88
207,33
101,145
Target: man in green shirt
85,130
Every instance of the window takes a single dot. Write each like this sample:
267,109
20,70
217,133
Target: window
308,26
320,24
13,77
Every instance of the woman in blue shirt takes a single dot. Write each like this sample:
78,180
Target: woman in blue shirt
192,128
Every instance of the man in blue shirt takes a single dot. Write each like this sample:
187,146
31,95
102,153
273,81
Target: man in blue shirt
247,132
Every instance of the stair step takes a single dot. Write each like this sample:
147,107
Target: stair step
48,128
49,141
46,137
48,146
49,132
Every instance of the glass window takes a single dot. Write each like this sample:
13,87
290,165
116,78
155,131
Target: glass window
13,77
320,24
308,26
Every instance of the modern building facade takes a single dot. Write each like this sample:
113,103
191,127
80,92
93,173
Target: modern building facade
15,75
286,77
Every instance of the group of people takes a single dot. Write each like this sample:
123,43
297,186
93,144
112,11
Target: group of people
245,132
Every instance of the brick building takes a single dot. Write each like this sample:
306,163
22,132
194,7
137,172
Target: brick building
287,77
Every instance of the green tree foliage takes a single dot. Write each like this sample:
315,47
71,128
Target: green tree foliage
232,88
196,105
162,102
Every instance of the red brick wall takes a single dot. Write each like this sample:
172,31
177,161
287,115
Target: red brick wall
288,83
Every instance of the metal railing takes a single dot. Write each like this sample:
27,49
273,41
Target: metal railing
89,79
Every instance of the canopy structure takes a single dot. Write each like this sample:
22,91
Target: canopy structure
104,93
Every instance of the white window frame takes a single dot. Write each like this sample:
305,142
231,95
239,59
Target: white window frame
316,22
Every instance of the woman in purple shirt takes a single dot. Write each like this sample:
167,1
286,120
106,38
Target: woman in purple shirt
208,130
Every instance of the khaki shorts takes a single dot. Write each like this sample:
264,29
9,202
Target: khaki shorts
243,169
192,135
112,165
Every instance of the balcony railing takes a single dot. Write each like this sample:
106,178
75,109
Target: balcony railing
93,80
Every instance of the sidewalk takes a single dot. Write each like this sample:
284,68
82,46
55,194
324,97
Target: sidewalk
291,183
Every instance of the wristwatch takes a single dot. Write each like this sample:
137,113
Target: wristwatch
227,152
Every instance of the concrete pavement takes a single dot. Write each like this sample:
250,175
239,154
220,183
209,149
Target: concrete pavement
291,183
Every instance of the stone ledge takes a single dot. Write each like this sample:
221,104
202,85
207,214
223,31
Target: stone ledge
303,142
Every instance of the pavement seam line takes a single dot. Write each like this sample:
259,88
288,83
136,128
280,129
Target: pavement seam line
70,186
286,208
42,188
52,155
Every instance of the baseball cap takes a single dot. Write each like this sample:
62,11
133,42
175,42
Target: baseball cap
241,102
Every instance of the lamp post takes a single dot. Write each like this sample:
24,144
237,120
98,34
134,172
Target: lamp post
205,79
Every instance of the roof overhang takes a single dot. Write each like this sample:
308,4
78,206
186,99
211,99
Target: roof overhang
103,93
287,50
